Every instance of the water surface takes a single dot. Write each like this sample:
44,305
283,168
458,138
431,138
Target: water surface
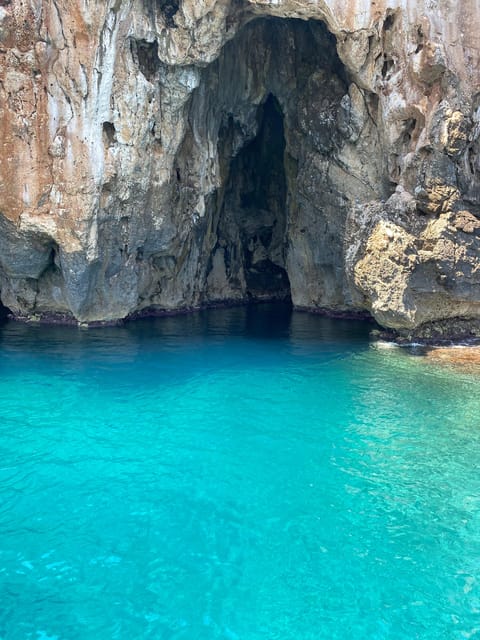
237,474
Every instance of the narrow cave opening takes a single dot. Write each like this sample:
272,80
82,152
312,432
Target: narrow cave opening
255,196
5,313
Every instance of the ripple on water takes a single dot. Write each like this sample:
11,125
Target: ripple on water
235,474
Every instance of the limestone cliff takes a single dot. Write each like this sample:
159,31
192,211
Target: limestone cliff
168,154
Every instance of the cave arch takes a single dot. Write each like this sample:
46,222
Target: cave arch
272,135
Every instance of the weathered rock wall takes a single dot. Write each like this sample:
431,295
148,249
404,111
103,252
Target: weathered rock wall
168,154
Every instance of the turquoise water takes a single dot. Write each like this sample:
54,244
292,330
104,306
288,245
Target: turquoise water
238,474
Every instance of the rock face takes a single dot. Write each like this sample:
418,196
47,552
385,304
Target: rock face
161,155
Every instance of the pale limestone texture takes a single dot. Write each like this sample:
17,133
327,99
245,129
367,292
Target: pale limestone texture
160,155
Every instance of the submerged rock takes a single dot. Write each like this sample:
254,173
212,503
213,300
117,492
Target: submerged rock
166,155
459,356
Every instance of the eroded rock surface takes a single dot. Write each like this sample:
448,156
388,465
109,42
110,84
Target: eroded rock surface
167,154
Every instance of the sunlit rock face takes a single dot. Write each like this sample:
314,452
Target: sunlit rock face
161,155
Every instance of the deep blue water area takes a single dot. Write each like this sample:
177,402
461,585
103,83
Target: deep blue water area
239,474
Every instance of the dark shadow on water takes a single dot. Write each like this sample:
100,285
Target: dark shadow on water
263,322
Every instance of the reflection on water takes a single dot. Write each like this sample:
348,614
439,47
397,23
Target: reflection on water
266,321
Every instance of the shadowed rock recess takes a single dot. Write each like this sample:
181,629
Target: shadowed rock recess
164,155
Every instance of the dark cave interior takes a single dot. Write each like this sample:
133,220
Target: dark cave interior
4,313
256,193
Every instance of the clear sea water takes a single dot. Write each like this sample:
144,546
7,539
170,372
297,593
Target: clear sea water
239,474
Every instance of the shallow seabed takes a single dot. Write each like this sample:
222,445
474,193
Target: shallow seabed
241,474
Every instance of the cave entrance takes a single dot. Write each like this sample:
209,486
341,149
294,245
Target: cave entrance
4,313
266,147
256,201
